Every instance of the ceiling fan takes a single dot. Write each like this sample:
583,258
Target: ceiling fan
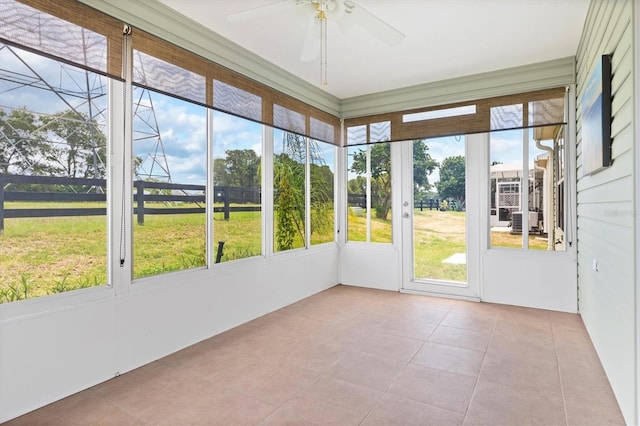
346,13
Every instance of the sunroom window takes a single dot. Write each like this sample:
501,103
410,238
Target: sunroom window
369,183
527,177
53,176
170,168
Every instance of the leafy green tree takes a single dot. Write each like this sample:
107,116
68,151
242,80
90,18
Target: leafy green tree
220,174
82,151
423,166
357,185
380,176
289,220
452,180
239,168
321,203
23,146
322,180
289,192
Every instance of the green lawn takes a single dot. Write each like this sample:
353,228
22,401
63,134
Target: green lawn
437,236
357,228
40,256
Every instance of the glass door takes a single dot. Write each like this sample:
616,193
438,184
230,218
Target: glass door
438,180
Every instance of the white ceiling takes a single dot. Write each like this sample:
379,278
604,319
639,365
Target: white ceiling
444,38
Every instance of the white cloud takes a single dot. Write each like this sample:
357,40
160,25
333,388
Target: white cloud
441,148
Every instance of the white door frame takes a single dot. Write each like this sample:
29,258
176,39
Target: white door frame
476,155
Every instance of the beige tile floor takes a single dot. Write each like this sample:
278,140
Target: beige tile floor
351,356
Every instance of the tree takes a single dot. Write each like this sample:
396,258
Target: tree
289,191
380,176
82,148
239,168
321,193
220,174
23,146
357,185
452,180
423,166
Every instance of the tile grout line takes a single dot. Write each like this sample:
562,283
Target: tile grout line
403,368
486,351
555,354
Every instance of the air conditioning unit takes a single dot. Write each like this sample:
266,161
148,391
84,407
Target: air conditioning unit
516,222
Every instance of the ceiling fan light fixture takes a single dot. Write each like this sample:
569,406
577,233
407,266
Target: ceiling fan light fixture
346,13
323,52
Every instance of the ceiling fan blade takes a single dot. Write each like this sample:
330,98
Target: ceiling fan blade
358,15
259,11
311,44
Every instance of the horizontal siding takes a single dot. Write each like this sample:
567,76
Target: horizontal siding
610,176
623,142
606,206
616,242
620,213
609,190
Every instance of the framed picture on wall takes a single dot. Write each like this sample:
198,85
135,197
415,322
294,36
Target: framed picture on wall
596,118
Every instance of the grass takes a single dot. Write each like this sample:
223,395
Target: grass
40,256
241,235
357,228
168,243
48,255
438,235
508,240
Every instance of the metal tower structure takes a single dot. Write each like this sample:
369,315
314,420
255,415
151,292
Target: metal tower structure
81,94
153,166
83,97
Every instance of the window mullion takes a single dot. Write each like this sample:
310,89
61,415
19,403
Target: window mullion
125,173
307,195
525,189
209,196
268,225
368,192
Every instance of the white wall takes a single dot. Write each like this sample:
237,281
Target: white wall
370,265
55,346
606,204
535,279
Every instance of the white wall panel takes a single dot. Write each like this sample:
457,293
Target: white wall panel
532,277
370,265
71,346
48,356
